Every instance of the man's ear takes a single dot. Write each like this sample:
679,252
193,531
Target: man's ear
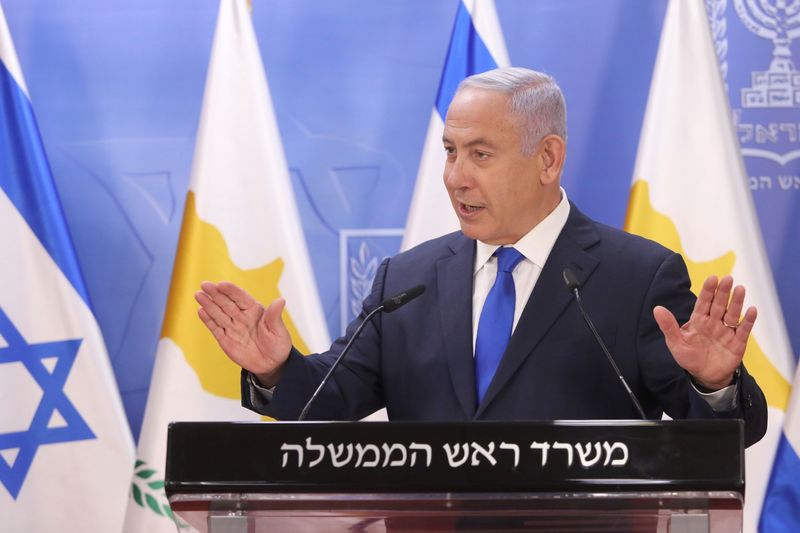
552,152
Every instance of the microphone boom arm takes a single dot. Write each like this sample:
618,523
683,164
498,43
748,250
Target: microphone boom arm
573,285
335,364
389,305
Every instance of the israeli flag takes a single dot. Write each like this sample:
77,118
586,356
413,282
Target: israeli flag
66,453
476,45
781,509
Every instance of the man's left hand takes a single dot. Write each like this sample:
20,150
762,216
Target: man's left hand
710,346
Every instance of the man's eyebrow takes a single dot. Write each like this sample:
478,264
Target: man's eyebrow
480,141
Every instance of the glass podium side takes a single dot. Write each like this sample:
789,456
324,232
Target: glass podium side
651,512
557,476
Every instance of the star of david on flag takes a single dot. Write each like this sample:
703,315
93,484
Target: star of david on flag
65,446
23,444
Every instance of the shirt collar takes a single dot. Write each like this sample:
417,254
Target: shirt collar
537,243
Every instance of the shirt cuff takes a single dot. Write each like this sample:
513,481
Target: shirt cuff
260,396
721,400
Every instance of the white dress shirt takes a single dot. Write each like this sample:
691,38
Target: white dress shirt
535,246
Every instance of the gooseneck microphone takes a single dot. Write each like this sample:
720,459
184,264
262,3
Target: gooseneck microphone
573,285
387,306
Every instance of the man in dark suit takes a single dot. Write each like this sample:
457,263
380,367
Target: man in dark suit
451,354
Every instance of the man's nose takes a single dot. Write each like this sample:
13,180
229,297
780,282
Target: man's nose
455,175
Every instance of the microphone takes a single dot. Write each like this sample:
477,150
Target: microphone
573,285
399,300
389,305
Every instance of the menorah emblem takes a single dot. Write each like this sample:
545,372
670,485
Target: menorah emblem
778,21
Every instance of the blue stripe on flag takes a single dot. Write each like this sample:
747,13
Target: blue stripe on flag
781,510
467,55
26,178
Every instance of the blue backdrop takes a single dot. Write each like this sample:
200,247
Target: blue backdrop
117,88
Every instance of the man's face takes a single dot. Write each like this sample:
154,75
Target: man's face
495,190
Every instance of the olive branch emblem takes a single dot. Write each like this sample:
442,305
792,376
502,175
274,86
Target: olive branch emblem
148,492
362,275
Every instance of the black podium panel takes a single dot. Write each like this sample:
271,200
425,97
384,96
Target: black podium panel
410,457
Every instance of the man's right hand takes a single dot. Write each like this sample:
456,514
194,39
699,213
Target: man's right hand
253,337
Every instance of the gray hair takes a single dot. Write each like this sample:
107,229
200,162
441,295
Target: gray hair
535,100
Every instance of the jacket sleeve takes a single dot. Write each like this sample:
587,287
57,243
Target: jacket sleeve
668,381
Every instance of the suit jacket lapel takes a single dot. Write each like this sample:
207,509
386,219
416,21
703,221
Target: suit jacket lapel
454,273
549,297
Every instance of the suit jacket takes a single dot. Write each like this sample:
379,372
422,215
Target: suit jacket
418,361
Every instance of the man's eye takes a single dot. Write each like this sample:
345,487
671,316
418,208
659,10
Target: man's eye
449,151
481,155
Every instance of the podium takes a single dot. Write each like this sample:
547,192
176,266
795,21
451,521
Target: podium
576,476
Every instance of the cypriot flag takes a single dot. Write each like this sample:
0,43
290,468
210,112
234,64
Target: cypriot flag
240,224
690,193
66,453
476,45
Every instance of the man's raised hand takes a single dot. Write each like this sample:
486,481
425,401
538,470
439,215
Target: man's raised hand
710,346
253,337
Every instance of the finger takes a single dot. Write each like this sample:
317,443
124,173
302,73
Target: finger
214,311
236,294
746,326
668,324
211,289
208,286
202,296
211,324
721,298
272,316
221,335
220,293
231,308
734,311
703,304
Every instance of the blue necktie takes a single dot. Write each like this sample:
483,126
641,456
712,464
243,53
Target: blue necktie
497,320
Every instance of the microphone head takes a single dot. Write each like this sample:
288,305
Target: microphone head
399,300
571,280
